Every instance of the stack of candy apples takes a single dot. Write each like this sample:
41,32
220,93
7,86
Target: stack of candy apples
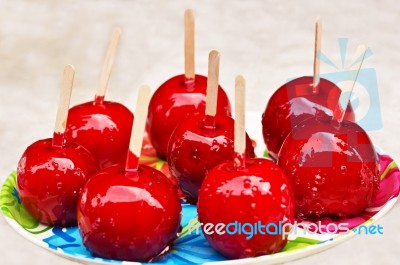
321,164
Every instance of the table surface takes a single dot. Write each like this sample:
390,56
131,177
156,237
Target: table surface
266,41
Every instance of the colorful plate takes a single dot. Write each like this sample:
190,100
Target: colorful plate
192,247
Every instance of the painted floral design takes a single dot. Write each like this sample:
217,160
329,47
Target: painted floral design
191,247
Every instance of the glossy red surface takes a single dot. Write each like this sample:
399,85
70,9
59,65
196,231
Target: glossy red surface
103,129
258,192
293,103
194,149
333,169
49,180
175,100
129,215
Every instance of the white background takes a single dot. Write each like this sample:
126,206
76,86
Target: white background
266,41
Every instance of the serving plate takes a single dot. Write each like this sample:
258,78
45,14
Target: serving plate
191,247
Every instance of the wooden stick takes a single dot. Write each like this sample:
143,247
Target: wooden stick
63,106
136,141
240,131
317,51
189,44
212,83
339,112
107,66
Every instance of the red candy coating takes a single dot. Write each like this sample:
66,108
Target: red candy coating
129,215
258,192
194,149
175,100
104,129
333,168
293,103
49,180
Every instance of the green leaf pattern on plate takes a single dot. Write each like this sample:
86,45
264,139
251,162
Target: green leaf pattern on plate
300,242
12,207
